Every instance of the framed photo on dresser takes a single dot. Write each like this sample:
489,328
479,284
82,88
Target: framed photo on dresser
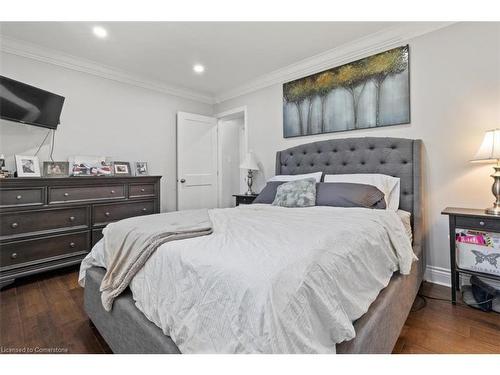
55,169
121,168
27,166
141,168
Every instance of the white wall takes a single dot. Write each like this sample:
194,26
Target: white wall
100,117
455,98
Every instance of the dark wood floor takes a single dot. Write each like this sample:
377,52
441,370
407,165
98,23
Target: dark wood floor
46,311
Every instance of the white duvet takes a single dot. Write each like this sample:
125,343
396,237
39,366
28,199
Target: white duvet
270,279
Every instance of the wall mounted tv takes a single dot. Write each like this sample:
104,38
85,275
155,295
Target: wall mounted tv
29,105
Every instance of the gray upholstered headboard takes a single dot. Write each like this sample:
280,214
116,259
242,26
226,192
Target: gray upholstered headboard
398,157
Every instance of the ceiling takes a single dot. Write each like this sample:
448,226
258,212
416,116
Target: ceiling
233,53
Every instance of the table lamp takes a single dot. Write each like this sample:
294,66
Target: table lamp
251,164
489,152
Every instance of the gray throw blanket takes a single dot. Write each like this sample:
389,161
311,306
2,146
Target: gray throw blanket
131,242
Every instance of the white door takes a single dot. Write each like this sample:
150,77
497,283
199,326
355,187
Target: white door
196,161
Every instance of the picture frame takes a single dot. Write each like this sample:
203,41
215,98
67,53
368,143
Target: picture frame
141,168
90,166
121,168
368,93
27,166
52,169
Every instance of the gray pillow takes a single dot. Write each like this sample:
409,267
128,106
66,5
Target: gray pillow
298,193
268,194
340,194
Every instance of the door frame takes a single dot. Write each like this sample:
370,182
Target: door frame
220,116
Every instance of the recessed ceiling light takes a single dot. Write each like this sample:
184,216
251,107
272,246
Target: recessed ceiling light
100,32
198,68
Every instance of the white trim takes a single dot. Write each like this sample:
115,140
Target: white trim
366,46
46,55
245,120
363,47
442,276
438,275
219,117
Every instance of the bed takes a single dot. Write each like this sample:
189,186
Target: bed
127,330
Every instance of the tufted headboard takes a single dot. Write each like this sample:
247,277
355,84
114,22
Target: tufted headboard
398,157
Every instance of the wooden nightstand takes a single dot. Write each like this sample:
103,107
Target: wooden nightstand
466,218
244,199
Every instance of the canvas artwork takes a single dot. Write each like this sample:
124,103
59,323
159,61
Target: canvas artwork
368,93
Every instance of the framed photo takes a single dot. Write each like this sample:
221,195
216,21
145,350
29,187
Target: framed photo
141,168
55,169
121,168
27,166
90,166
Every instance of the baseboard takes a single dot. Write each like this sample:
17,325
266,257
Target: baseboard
442,276
438,275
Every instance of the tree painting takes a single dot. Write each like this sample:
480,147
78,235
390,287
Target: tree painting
370,92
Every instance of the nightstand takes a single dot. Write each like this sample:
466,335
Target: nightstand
473,219
244,199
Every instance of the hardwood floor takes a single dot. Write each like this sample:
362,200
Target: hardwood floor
46,312
441,327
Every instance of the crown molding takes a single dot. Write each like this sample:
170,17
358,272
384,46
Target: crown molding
46,55
363,47
357,49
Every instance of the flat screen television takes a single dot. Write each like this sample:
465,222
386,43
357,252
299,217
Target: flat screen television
28,104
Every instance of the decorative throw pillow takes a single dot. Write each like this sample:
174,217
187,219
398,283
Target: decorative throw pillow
268,194
298,193
340,194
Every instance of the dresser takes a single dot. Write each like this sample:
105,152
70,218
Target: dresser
49,223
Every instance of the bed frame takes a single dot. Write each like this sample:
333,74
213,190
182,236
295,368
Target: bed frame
127,330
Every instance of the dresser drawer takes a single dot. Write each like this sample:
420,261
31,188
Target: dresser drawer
43,249
106,213
141,190
85,193
466,222
29,222
21,197
96,236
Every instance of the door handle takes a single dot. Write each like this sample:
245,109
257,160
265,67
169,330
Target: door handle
183,180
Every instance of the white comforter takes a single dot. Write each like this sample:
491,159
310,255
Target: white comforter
270,279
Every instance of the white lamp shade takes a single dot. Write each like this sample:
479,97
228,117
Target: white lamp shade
490,147
250,162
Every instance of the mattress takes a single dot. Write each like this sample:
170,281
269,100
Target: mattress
271,279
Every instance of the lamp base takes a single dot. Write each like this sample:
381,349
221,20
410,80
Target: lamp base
250,183
495,189
493,211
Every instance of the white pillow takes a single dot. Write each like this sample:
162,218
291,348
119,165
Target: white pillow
386,184
293,177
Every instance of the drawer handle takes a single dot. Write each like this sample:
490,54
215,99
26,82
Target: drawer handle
481,223
144,209
66,194
71,218
13,256
14,225
107,213
71,244
143,190
112,191
19,197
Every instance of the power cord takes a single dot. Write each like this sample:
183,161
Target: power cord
422,302
41,144
51,144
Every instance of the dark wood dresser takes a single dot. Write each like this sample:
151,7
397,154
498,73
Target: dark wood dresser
49,223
